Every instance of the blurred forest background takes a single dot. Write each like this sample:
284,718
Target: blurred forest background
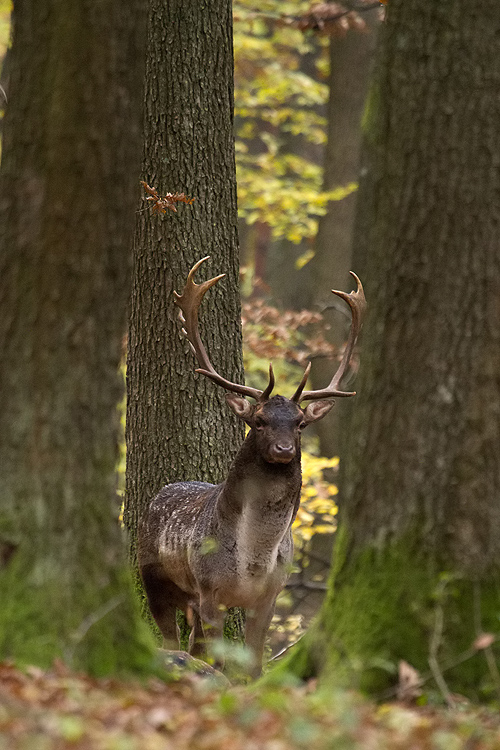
366,137
301,78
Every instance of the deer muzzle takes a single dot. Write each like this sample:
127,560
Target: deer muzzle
282,452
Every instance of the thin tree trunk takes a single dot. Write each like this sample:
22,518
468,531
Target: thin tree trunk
351,60
416,573
70,160
178,424
280,270
350,64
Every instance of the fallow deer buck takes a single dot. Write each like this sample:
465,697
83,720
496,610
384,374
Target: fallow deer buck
248,518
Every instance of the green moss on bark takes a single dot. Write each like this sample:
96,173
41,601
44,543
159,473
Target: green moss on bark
73,153
392,604
418,576
91,625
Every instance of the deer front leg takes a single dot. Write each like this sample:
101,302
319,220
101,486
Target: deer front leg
212,618
258,620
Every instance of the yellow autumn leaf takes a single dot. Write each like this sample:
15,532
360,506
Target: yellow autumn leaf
306,533
324,529
305,516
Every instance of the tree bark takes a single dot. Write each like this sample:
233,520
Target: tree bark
178,424
71,151
351,57
416,571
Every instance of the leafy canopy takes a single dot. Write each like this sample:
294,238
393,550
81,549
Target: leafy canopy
278,103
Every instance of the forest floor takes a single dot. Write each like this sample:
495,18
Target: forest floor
59,709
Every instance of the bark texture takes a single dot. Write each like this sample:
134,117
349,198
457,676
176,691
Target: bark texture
71,151
178,424
416,572
350,64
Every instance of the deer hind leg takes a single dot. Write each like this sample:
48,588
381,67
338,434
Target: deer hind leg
257,625
164,598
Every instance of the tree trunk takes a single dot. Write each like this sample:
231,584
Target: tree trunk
71,152
350,62
416,573
280,271
178,424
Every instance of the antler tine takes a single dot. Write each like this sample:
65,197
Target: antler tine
298,393
270,385
357,302
189,302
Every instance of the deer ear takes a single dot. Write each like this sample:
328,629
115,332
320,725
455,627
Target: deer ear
241,407
316,410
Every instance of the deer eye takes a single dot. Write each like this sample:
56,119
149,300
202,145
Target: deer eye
260,423
302,425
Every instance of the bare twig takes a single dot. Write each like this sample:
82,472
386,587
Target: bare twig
309,585
79,634
493,667
286,648
310,555
450,664
434,646
480,636
334,306
440,681
350,7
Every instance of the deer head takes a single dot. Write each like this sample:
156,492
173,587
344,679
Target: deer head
275,422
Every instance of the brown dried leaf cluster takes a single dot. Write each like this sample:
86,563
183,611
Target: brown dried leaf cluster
336,18
409,683
270,333
160,204
331,19
326,18
61,710
483,641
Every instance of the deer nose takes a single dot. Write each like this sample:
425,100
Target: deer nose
283,452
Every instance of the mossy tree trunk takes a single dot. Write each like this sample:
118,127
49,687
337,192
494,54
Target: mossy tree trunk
178,424
416,573
71,151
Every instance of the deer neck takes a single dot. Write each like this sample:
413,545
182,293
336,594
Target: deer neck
255,510
254,484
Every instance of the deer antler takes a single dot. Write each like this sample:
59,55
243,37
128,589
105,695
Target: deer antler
189,302
357,302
